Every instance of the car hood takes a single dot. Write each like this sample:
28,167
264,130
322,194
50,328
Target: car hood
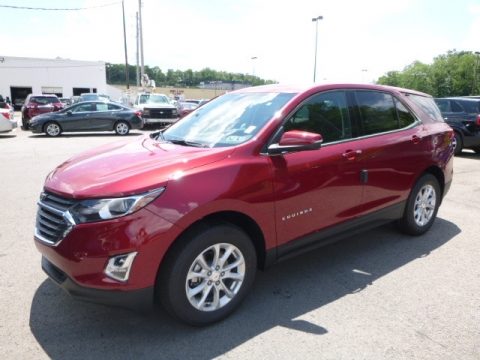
127,168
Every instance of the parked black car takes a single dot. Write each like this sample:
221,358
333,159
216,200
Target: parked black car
463,115
88,116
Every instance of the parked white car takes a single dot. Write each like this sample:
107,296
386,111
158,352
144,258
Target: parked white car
7,121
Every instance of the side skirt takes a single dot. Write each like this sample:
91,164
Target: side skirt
334,233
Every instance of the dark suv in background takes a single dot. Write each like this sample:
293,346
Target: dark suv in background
38,104
463,115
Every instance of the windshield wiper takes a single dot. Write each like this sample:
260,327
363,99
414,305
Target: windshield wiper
187,143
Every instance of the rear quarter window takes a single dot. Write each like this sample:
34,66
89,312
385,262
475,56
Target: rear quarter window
427,105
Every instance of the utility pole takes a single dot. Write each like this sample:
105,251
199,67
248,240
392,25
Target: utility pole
125,44
142,67
138,52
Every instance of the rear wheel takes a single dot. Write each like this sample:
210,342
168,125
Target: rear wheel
422,206
207,274
122,128
458,144
52,129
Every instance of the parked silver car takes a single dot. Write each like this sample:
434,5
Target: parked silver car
7,121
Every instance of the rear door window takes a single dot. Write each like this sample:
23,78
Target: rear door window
377,112
381,112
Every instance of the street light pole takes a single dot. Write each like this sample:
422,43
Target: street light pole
125,45
253,58
315,20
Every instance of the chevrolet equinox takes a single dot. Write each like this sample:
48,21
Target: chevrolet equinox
186,216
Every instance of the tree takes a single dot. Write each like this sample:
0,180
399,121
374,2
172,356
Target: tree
451,74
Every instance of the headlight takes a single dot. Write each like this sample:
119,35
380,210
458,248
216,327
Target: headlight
105,209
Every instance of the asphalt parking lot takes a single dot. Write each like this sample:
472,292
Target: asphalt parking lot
379,295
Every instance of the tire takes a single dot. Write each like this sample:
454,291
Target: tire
422,206
458,144
122,128
52,129
213,294
24,123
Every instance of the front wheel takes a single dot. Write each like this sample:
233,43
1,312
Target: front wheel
52,129
207,274
422,206
122,128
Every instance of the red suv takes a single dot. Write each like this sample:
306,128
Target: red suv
38,104
187,215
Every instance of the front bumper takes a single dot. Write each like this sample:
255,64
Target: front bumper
132,299
148,120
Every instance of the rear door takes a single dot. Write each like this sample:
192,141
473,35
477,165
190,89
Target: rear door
392,142
104,116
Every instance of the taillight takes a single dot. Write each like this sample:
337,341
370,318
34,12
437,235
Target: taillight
6,115
478,120
138,113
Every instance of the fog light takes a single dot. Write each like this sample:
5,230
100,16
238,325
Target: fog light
119,266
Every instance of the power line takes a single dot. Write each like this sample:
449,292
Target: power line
57,9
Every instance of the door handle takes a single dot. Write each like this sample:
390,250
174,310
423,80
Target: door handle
351,154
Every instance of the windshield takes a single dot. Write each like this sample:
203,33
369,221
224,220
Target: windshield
229,120
153,99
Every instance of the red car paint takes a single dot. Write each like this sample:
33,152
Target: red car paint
287,196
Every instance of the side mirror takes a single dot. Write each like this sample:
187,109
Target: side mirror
69,112
295,140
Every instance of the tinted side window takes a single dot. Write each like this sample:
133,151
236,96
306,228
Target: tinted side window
102,107
427,105
456,107
443,105
82,108
378,112
405,118
325,114
113,107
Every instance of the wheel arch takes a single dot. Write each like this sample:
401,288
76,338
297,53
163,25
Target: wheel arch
438,173
244,222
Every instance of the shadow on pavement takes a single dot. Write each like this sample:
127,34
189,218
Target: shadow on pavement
65,328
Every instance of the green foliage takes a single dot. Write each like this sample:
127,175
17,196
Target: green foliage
116,75
452,74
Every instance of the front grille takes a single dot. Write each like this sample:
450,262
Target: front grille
52,223
161,113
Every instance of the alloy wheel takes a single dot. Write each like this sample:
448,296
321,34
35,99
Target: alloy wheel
425,203
215,277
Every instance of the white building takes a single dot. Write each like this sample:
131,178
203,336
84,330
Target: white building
20,76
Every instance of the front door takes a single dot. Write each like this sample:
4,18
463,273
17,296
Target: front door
318,188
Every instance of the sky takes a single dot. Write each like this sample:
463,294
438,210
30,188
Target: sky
358,41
